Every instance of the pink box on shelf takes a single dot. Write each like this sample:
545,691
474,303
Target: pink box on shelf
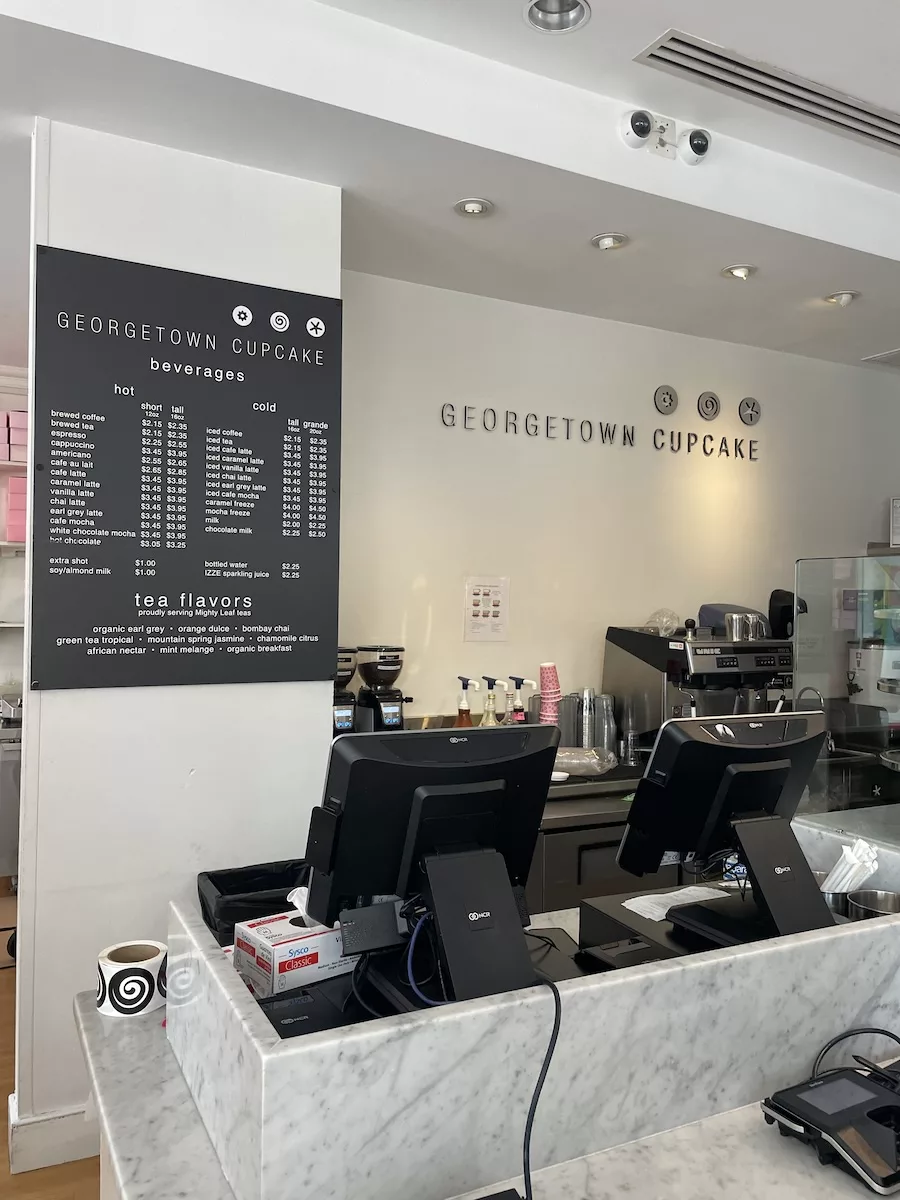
16,502
16,483
16,420
4,451
18,453
18,437
15,533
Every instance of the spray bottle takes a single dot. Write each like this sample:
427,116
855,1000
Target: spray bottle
463,712
515,709
489,720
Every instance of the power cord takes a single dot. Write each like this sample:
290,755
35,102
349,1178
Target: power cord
539,937
538,1087
843,1037
361,965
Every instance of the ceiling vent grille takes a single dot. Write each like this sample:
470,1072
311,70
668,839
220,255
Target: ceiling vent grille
888,358
713,67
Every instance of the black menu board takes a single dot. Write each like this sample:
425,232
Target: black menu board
186,478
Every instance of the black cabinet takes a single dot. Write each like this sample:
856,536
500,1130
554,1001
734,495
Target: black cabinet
575,857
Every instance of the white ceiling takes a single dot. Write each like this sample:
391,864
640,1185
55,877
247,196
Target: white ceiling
400,184
851,48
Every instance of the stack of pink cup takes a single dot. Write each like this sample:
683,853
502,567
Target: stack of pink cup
551,694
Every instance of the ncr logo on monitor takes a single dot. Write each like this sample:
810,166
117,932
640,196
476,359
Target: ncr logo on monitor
480,920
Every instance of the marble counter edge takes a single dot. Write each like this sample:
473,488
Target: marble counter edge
131,1141
270,1046
226,978
672,1157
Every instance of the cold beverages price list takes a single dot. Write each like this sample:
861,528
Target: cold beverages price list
185,521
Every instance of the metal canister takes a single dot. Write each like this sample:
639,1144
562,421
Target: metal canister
737,627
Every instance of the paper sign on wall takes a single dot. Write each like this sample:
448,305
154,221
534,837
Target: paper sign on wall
487,608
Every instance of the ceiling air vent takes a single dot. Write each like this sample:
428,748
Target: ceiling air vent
713,67
888,358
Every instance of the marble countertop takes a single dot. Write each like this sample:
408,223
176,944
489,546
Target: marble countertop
734,1154
157,1144
160,1151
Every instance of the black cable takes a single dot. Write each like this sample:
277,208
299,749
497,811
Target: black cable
362,962
702,868
545,1067
879,1073
843,1037
539,937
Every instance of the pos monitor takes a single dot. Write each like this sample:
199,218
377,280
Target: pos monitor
720,784
448,821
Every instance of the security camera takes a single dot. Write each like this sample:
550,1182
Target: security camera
636,127
693,146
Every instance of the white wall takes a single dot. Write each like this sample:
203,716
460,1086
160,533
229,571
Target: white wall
128,793
589,536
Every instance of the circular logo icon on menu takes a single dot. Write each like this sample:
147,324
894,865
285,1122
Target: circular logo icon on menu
280,322
315,326
242,315
666,399
749,411
708,406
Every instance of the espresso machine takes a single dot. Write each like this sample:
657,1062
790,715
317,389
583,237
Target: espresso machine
379,705
697,671
343,708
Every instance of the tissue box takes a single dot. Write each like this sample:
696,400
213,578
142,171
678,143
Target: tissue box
278,953
15,503
18,453
18,437
16,483
14,419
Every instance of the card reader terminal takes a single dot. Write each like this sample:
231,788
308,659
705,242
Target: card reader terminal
851,1120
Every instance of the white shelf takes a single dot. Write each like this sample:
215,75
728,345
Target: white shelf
12,624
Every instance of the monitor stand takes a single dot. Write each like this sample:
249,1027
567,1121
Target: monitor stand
786,898
478,926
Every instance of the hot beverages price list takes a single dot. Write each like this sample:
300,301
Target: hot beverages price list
186,478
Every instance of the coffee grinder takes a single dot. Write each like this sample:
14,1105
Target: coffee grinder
343,708
379,705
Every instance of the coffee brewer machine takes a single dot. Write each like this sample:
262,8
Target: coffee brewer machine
694,672
343,709
379,705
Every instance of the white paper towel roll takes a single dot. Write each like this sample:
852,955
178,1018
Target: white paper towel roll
132,978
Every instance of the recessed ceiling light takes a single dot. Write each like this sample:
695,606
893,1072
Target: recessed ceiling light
841,298
741,271
473,206
557,16
610,241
